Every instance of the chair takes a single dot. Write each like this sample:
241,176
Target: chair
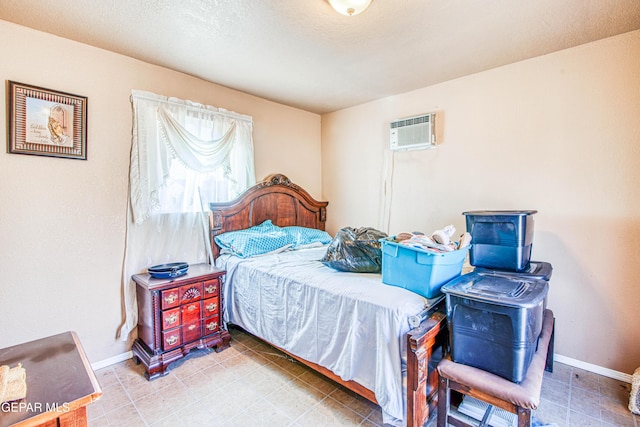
496,391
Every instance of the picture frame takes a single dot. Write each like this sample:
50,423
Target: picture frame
46,122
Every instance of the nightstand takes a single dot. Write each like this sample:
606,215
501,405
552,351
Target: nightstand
177,315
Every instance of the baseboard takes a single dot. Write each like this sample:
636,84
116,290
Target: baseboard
610,373
112,360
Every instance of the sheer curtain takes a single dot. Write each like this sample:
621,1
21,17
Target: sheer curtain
183,156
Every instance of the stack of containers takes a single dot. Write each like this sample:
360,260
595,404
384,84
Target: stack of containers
495,312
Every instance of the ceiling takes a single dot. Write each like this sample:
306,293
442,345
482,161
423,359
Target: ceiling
303,54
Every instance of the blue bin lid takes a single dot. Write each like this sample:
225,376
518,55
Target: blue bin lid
505,290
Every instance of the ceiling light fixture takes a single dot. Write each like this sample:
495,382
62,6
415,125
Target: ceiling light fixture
349,7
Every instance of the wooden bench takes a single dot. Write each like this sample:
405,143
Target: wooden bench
496,391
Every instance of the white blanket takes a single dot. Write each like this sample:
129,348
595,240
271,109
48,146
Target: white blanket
350,323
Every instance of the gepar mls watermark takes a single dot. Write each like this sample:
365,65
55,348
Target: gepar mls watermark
35,407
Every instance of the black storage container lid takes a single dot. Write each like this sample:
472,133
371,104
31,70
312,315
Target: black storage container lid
497,213
504,290
534,270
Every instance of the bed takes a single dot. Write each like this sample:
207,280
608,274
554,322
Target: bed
382,342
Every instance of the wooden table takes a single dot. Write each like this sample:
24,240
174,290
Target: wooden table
60,383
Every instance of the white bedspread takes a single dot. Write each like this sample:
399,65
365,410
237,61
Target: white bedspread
350,323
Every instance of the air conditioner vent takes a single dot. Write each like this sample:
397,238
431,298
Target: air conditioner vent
411,121
413,133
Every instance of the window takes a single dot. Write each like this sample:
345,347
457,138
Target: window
183,156
186,190
168,133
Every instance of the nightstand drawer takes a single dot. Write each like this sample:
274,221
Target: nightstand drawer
171,339
170,298
191,332
190,312
170,318
191,292
210,325
210,307
211,288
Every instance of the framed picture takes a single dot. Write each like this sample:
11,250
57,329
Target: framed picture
45,122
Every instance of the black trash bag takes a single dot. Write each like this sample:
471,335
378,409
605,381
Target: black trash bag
356,250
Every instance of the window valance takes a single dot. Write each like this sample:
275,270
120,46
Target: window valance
160,134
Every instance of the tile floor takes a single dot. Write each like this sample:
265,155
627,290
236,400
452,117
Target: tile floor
251,384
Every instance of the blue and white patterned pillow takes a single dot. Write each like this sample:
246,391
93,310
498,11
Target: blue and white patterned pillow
257,240
306,237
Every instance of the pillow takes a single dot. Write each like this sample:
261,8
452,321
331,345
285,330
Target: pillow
277,251
310,246
307,237
256,240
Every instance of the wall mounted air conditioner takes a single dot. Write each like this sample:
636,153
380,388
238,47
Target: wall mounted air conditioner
413,133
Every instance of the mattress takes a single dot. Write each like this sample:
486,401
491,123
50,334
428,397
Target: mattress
349,323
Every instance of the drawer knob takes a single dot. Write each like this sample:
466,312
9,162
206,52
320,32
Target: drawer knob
192,327
191,307
212,306
171,298
171,319
211,289
172,340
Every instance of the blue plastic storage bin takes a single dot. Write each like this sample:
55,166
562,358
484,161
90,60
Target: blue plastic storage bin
420,271
501,239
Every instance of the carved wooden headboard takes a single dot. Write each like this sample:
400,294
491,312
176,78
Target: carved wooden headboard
275,198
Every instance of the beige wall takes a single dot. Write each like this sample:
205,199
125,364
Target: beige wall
558,133
62,222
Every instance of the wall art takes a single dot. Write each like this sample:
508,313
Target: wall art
46,122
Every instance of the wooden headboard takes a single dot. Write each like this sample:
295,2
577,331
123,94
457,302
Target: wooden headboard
275,198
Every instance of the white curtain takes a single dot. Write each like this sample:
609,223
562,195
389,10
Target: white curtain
183,156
